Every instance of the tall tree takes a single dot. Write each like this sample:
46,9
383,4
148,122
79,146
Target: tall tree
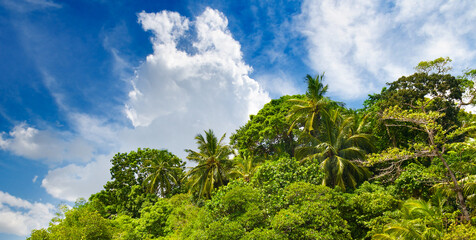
307,110
245,166
431,80
163,172
438,141
266,133
420,220
213,164
338,149
128,188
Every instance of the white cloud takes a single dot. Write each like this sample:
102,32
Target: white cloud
278,84
73,181
53,147
19,217
187,86
209,79
174,95
360,45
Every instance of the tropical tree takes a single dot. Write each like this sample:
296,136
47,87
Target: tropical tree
339,149
213,164
420,220
162,172
439,141
245,166
307,110
266,133
125,193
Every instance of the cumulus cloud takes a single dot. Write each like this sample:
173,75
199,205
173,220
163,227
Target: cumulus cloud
194,80
74,181
19,217
360,45
209,78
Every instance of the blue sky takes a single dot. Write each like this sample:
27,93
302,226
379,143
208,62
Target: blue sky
83,80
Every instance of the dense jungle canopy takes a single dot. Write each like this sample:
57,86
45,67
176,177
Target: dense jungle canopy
305,167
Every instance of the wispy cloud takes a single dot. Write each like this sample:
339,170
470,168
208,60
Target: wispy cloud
360,45
24,6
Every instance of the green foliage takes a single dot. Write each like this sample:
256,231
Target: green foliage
126,228
40,234
416,180
80,222
460,232
240,202
307,111
312,213
263,234
245,166
431,81
368,202
196,227
163,173
213,164
438,65
182,213
338,149
425,147
234,199
224,230
420,220
274,176
266,133
152,222
134,176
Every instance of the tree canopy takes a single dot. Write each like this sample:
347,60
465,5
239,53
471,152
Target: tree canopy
305,167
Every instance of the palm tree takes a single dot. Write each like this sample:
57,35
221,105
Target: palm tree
245,167
213,164
420,220
338,148
468,184
307,110
162,172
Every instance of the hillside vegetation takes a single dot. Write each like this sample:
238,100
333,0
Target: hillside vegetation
305,167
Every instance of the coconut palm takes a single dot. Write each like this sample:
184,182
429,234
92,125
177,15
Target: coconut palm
339,149
307,110
162,172
245,166
468,184
213,164
420,220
